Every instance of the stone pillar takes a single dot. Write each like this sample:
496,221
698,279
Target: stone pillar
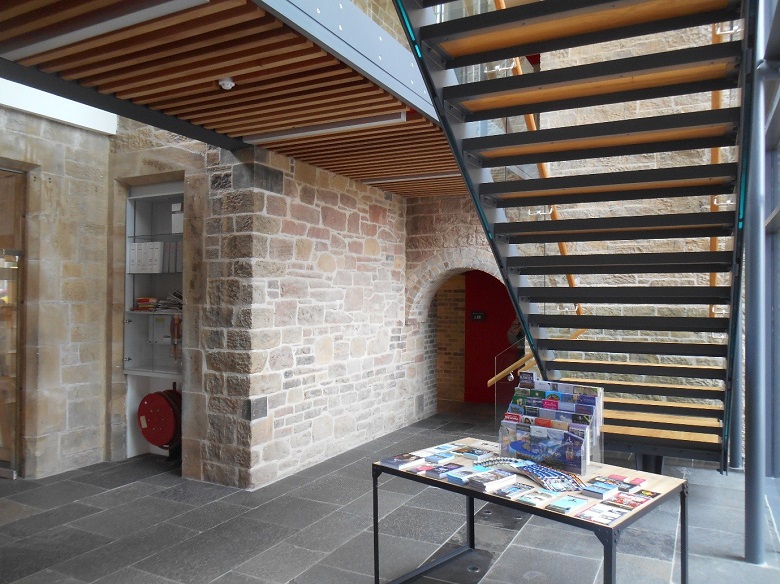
232,319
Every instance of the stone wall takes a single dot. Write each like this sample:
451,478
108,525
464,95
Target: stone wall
295,343
450,315
64,421
302,327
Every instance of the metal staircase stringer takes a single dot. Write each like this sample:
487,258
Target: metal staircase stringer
413,16
734,375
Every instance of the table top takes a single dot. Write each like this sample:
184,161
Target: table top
610,512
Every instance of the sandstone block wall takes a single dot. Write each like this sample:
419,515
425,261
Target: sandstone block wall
449,316
67,226
295,339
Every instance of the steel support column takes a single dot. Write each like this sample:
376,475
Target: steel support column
736,425
755,306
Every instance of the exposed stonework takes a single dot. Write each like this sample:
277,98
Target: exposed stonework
449,313
67,224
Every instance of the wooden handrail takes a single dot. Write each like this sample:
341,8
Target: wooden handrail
516,365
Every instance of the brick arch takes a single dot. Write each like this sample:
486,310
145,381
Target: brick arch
427,277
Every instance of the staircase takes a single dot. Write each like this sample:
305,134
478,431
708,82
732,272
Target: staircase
623,261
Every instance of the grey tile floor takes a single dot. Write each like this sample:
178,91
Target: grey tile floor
138,521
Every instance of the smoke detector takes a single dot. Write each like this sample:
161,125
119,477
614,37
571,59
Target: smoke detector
227,83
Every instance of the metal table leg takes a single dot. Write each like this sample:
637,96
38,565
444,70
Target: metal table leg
375,472
684,534
609,538
470,522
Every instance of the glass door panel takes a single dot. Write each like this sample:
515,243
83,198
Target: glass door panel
9,335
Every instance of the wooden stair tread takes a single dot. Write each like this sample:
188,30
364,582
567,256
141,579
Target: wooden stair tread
616,416
627,295
683,225
608,400
671,435
564,24
676,386
660,133
642,80
636,364
716,176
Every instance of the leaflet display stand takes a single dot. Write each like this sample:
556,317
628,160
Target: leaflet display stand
609,535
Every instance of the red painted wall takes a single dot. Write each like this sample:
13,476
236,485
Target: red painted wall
484,338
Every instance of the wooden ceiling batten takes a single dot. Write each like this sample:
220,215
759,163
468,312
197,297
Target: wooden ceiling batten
210,90
258,125
284,83
179,20
37,22
232,40
182,81
240,95
195,68
356,92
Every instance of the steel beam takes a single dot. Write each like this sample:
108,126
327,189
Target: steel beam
32,77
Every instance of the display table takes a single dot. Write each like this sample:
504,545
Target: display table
609,535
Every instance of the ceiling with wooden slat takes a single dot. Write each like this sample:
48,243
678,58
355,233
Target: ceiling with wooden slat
284,83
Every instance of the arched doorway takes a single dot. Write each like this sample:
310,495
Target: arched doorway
472,313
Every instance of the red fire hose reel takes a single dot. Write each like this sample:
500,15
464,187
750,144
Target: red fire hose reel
159,417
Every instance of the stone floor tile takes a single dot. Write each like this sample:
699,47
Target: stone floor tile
55,494
281,563
41,551
640,569
208,555
500,516
468,568
708,570
422,525
439,499
207,516
63,476
123,552
132,575
292,512
401,485
330,532
126,472
723,497
389,501
571,541
166,479
486,537
337,488
236,578
253,499
321,574
11,511
524,564
195,492
48,520
49,577
397,555
122,495
319,470
124,520
9,488
659,545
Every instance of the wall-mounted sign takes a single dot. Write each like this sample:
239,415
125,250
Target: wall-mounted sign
478,316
